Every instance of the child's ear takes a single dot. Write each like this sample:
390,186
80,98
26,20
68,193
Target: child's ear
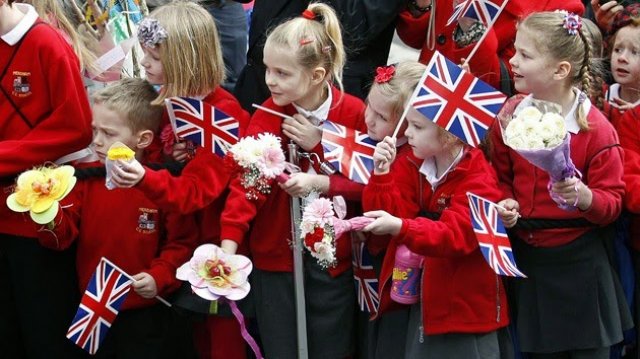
145,138
563,70
318,75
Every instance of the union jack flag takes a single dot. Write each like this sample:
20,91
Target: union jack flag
485,11
365,278
348,151
456,100
492,237
204,125
99,306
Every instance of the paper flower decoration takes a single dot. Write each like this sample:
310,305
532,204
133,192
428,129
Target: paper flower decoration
213,273
38,191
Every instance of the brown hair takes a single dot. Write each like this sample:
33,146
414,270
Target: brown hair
553,39
314,42
132,98
191,55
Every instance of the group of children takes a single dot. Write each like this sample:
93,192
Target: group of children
570,306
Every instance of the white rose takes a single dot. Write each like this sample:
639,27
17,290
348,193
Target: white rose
516,143
529,114
514,128
555,120
534,143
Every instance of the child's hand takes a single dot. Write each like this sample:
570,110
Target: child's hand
464,64
145,285
384,223
127,174
510,216
302,132
384,155
180,153
572,191
300,184
604,14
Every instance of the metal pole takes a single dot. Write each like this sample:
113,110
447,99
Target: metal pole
298,268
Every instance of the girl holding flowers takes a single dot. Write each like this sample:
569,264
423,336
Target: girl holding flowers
183,54
569,306
304,58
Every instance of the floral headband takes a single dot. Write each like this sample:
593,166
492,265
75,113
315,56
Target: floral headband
151,33
384,74
572,23
625,17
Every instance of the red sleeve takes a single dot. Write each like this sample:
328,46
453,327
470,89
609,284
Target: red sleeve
339,185
395,192
452,234
413,30
67,221
180,239
628,130
632,181
239,211
201,182
66,129
501,161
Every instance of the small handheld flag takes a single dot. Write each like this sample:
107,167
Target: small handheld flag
348,151
485,11
492,236
204,125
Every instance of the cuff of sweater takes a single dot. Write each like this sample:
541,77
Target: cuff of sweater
402,236
163,277
386,179
233,233
149,182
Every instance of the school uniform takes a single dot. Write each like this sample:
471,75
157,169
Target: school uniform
461,296
571,299
45,115
135,234
491,62
329,293
610,109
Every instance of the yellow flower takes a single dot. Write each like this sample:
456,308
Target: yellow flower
120,153
38,191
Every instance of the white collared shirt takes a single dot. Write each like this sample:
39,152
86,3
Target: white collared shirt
429,170
17,33
319,115
614,92
570,120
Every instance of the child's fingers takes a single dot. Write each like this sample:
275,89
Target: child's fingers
374,214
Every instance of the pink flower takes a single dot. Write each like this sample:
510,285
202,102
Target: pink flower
213,273
271,163
319,211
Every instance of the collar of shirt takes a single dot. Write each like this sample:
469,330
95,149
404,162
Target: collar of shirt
570,120
429,170
614,92
30,16
319,115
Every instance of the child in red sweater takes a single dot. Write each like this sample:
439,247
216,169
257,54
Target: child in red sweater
45,115
302,56
570,302
176,37
462,302
124,226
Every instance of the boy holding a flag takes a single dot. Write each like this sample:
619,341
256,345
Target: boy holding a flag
125,227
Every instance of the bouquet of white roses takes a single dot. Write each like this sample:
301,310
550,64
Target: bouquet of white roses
259,161
536,130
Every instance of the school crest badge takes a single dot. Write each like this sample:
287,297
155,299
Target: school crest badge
21,85
147,220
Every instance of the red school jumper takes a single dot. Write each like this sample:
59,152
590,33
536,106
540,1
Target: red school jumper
460,292
630,141
43,80
498,44
271,234
127,228
595,153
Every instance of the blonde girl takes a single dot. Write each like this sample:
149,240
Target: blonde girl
569,305
303,58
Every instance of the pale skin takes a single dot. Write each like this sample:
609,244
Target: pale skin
10,16
559,90
144,285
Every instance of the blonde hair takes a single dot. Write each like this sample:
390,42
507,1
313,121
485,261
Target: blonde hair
191,55
51,10
597,66
405,78
132,98
314,42
553,39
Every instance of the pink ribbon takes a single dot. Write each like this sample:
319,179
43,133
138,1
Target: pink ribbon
243,328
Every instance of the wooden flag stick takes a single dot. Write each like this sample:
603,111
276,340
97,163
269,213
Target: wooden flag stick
486,32
162,300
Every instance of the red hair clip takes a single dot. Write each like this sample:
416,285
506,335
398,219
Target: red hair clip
384,74
305,41
308,14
